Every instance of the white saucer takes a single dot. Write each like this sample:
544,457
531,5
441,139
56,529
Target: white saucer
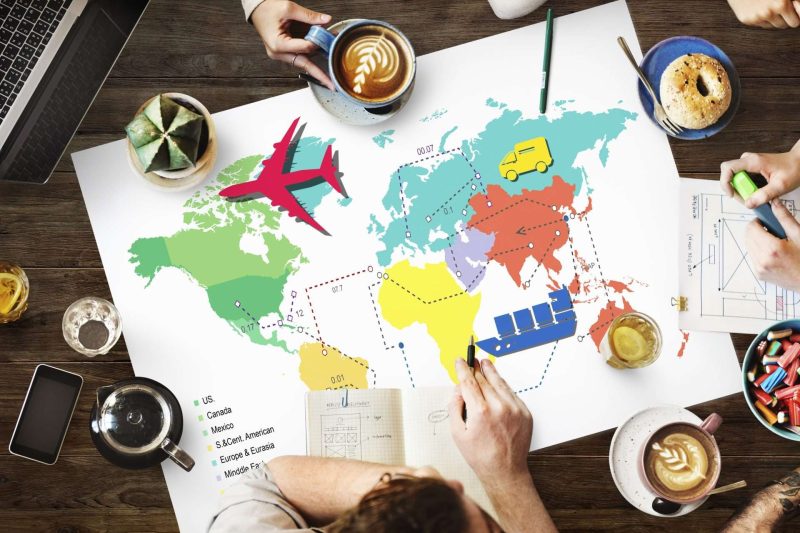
624,454
338,106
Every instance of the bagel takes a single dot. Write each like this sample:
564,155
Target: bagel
695,91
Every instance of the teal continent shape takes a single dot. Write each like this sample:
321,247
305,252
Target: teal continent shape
568,135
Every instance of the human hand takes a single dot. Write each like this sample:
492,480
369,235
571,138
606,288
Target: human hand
782,172
496,436
776,260
272,19
767,13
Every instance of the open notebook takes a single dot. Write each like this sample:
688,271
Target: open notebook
399,427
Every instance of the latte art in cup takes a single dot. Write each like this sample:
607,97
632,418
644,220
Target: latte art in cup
372,64
681,462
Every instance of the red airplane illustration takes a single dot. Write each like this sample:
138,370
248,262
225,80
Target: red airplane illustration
274,181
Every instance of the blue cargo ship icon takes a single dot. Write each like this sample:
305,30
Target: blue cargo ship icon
520,330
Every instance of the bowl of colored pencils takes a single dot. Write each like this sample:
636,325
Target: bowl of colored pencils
771,378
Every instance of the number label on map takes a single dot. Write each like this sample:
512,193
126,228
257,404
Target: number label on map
248,327
338,378
337,289
422,150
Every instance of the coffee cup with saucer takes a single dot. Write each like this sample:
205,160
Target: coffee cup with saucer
624,456
346,104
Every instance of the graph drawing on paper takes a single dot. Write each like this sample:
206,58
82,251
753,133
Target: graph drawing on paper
717,274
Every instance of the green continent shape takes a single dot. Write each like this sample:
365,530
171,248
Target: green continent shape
426,190
208,251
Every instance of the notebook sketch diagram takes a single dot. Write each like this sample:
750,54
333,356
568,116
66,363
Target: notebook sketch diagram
341,435
718,279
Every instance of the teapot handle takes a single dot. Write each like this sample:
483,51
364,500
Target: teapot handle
177,454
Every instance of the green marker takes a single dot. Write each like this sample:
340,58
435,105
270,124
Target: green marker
743,184
548,44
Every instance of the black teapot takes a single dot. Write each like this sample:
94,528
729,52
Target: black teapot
137,423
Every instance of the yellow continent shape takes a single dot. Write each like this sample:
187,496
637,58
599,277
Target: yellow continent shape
432,297
324,367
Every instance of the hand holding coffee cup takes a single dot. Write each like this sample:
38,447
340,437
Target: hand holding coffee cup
371,63
272,20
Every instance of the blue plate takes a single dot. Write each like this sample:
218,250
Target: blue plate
661,55
750,357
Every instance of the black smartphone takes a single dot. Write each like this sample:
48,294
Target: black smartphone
46,412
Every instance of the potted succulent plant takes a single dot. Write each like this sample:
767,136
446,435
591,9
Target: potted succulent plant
172,141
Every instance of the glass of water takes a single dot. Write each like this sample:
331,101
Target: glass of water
91,326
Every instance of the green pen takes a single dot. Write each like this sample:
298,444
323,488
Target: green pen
548,44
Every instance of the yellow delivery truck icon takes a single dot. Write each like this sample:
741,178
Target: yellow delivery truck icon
527,156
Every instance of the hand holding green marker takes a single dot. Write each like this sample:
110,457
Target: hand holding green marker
744,185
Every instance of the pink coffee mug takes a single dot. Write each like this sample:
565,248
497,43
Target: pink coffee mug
707,427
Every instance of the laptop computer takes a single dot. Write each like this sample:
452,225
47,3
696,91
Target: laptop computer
54,57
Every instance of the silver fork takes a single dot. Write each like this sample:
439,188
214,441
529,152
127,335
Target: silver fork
661,115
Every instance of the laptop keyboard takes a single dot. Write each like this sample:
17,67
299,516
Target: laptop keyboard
25,28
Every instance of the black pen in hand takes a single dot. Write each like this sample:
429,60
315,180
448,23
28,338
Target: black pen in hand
471,365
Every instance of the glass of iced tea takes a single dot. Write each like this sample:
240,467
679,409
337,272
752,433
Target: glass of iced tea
13,292
632,341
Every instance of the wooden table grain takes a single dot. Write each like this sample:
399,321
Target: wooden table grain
207,49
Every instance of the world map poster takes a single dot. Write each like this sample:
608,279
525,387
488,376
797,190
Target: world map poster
468,214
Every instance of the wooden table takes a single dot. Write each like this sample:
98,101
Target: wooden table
207,50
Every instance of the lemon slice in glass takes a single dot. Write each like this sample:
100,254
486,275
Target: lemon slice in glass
629,344
10,289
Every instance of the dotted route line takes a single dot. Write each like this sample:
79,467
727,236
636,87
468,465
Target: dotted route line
314,317
403,201
324,350
600,326
433,155
546,368
460,292
377,315
238,304
509,206
574,260
455,261
596,257
416,297
345,386
475,176
408,368
535,270
517,249
458,191
325,345
334,280
328,282
474,171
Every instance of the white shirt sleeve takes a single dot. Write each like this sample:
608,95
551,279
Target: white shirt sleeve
255,504
249,6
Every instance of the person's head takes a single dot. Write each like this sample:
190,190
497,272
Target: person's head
423,502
